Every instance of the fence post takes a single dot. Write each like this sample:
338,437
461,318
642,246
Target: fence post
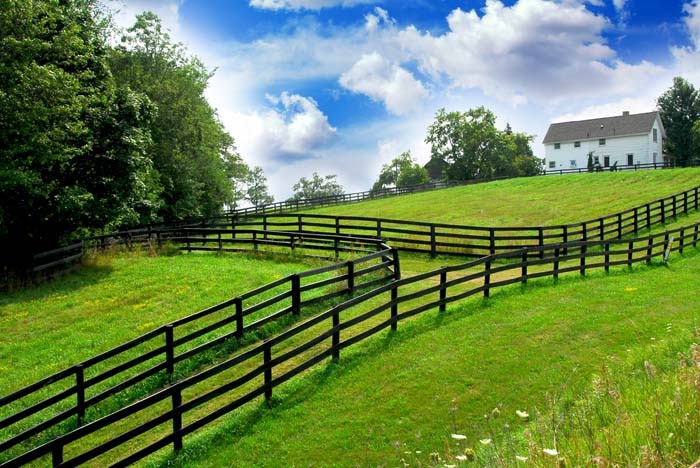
649,246
696,198
255,240
80,392
565,237
336,336
648,206
540,242
582,266
264,226
555,273
336,245
695,235
394,306
685,202
337,225
680,241
169,349
619,225
187,236
433,247
299,223
397,263
267,357
57,455
607,257
523,266
177,418
296,294
487,277
675,210
601,223
492,241
351,277
220,245
379,228
663,211
636,219
630,248
443,289
239,317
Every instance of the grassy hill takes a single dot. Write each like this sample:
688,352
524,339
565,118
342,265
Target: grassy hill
529,201
408,391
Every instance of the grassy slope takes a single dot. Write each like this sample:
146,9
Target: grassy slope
56,324
529,201
390,395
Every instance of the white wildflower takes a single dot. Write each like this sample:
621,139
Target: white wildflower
485,441
551,452
459,437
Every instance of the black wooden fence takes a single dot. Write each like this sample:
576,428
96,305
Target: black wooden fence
180,410
478,241
112,372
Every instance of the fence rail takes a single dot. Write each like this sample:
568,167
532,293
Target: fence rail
263,370
93,381
478,241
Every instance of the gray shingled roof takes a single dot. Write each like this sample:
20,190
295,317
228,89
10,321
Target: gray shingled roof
600,128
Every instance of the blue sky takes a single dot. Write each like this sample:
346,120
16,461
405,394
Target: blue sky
343,86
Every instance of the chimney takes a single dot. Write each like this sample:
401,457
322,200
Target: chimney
625,113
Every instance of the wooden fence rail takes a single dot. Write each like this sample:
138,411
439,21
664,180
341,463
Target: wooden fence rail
92,381
263,369
478,241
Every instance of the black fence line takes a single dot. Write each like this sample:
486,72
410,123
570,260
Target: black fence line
477,241
600,250
388,261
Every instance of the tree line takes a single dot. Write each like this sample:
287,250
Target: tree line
97,137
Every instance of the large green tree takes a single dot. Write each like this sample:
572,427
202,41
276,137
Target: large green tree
402,171
257,191
71,159
317,187
472,147
679,107
197,167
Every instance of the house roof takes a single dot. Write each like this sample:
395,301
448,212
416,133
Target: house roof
605,127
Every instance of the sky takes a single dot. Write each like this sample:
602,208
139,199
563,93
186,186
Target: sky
344,86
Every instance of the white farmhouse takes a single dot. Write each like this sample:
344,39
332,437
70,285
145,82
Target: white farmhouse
625,139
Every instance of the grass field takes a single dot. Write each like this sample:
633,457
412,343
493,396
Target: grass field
532,201
390,396
59,323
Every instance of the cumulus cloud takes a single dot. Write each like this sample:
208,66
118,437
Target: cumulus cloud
381,80
304,4
293,129
167,10
376,18
536,49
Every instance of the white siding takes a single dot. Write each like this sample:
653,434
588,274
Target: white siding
617,148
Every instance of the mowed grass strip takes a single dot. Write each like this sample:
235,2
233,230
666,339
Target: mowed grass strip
531,201
440,373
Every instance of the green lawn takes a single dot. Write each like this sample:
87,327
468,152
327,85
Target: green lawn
531,201
394,393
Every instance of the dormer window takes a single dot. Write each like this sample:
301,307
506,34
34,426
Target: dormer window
557,145
601,142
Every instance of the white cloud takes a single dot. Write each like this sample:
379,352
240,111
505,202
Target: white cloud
167,10
381,80
293,129
304,4
536,49
691,12
378,17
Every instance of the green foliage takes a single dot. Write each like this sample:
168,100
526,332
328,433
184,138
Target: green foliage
73,158
257,192
402,171
473,147
589,164
198,169
680,109
317,187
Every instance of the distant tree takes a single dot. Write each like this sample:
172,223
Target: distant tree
589,164
317,187
257,192
402,171
195,159
71,159
473,147
679,107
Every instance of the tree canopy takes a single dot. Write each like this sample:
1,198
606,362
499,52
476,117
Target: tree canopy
317,187
679,108
402,171
257,191
469,146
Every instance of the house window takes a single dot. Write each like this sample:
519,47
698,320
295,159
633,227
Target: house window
572,163
552,164
655,135
557,145
577,144
596,160
630,159
601,142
